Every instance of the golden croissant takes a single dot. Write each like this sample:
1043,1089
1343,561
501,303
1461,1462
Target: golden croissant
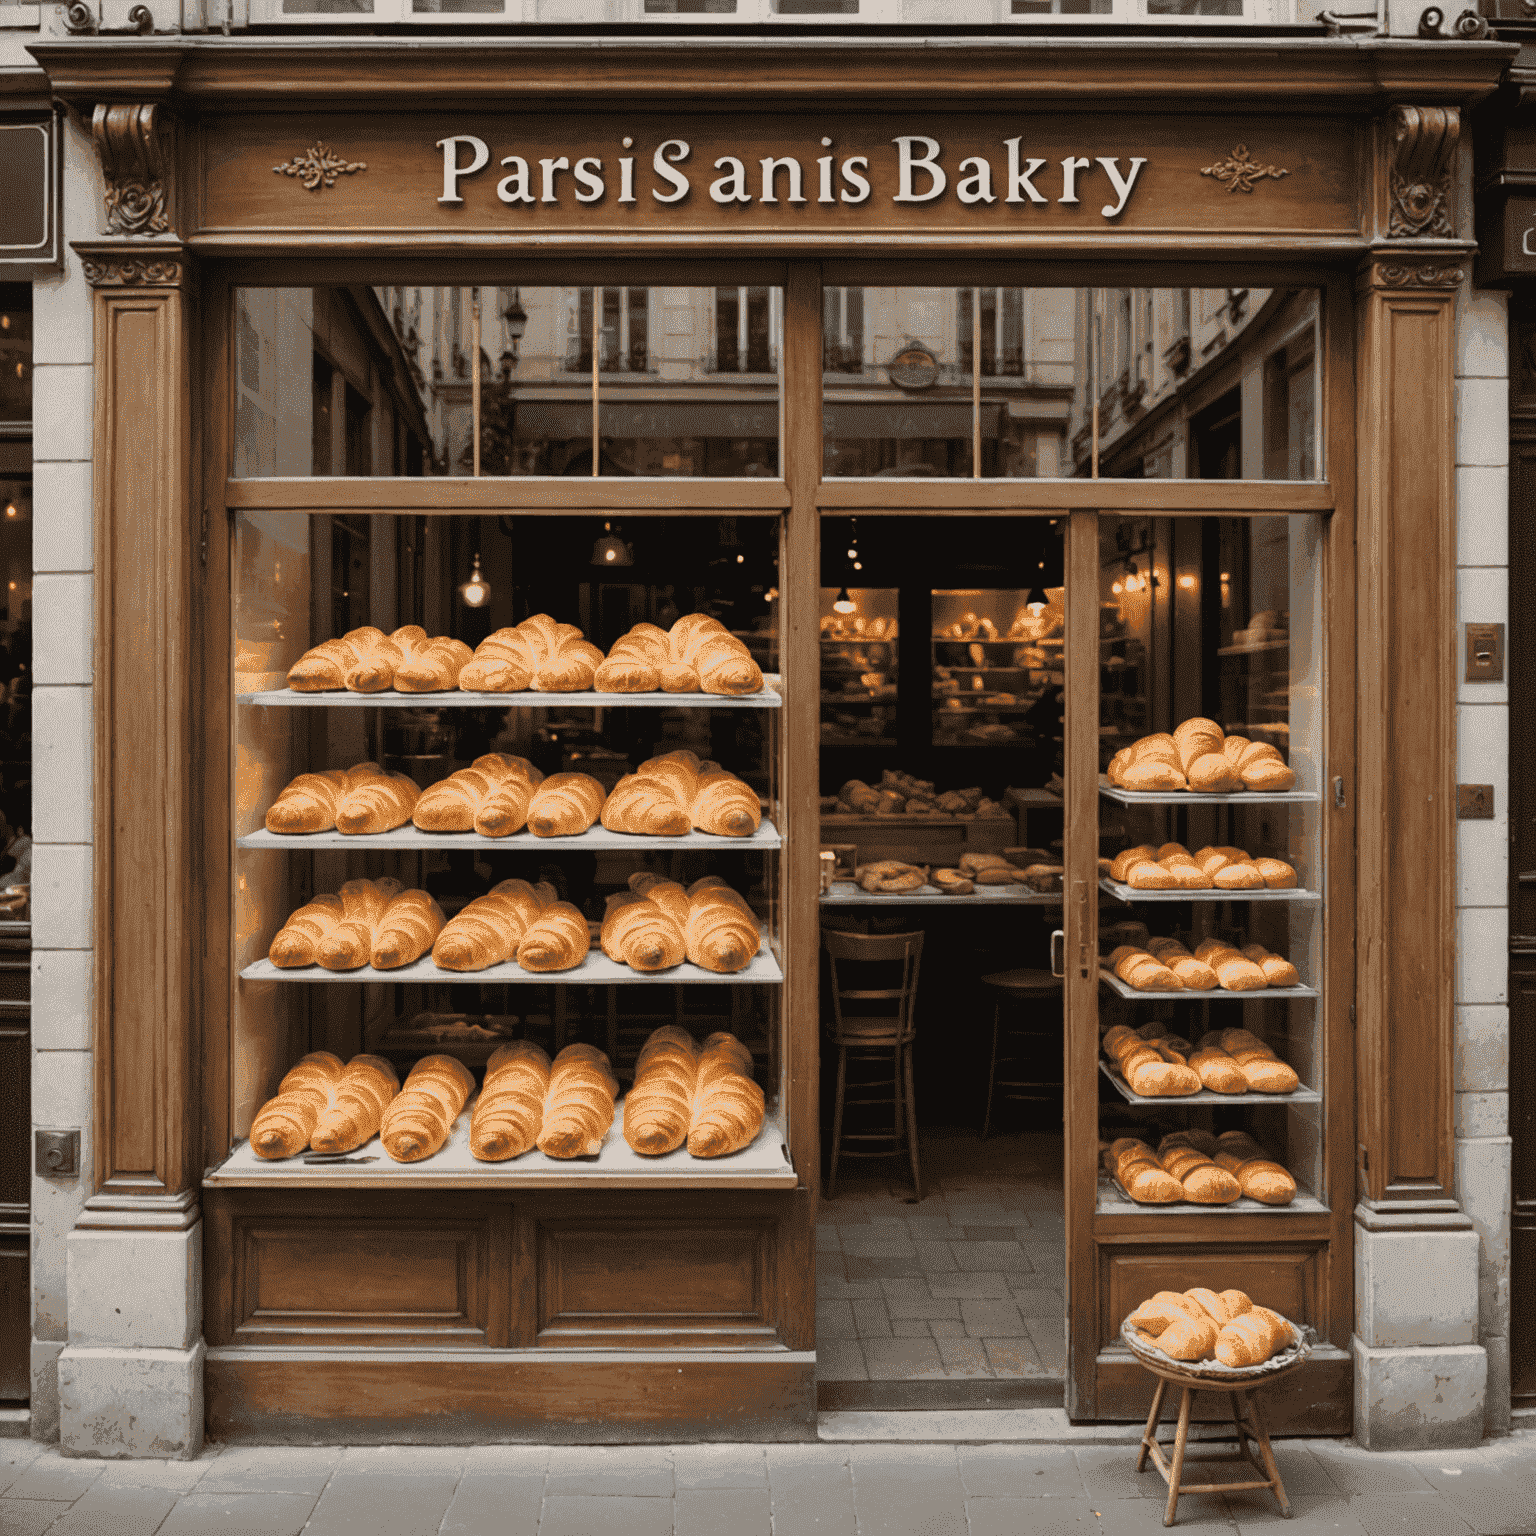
405,931
493,786
557,940
658,1109
639,931
349,942
538,655
362,798
284,1124
722,932
489,930
420,1117
565,805
699,655
361,1095
578,1108
510,1110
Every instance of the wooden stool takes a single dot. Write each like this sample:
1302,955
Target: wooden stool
1023,986
1247,1419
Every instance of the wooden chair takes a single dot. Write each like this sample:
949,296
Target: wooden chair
884,1031
1033,1035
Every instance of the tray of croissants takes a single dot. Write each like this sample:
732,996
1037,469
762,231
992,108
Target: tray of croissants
1171,872
1215,1335
1197,758
689,1103
696,655
1198,1168
375,929
1154,1063
675,794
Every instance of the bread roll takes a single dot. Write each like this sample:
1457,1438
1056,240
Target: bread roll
1251,1339
1152,776
1205,1181
1197,738
1263,769
284,1124
1240,875
1260,1177
1212,774
510,1110
1278,971
1125,861
1143,1178
1233,971
1194,975
1218,1071
356,1110
420,1118
1278,875
1136,968
1149,876
1265,1072
1222,1306
1161,1311
658,1109
578,1107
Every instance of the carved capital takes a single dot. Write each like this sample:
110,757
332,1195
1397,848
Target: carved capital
133,266
1401,269
1423,146
135,160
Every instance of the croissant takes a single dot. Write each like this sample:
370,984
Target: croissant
722,932
1152,774
1161,1311
1260,1178
1252,1338
357,1106
503,662
325,667
284,1124
1197,738
349,943
308,804
298,941
375,802
658,1109
649,804
1222,1306
510,1110
1212,774
726,806
430,665
1261,766
489,930
634,661
1189,1338
557,939
702,656
565,805
728,1105
420,1117
639,932
455,804
568,663
406,930
889,875
1278,971
578,1107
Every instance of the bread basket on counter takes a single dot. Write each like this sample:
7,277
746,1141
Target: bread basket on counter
1213,1373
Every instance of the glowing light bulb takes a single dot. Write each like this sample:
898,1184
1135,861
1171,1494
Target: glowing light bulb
1187,581
853,553
10,509
858,565
1117,588
741,559
843,603
476,592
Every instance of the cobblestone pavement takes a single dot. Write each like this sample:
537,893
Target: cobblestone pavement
868,1489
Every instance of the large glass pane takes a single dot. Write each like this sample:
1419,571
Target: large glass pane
1211,915
859,639
381,381
1167,383
15,352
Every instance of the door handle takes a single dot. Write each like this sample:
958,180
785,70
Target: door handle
1059,954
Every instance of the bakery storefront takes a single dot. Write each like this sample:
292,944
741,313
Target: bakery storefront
1008,485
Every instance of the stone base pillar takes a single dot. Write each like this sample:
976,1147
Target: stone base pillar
1421,1379
131,1377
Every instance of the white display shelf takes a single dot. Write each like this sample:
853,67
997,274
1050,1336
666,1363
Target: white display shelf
1113,1201
411,839
457,698
597,970
1129,894
845,894
763,1165
1214,995
1195,797
1302,1095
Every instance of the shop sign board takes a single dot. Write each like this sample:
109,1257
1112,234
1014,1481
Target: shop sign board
802,178
1508,239
31,194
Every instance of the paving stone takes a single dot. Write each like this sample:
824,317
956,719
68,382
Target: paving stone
611,1515
1200,1514
1109,1472
899,1489
358,1503
923,1306
1013,1357
876,1242
827,1239
835,1288
52,1476
719,1466
978,1213
723,1512
965,1358
931,1228
989,1234
992,1319
1035,1301
935,1257
991,1257
871,1320
116,1511
271,1469
981,1285
1037,1517
1419,1513
909,1328
811,1489
403,1460
840,1360
1019,1471
172,1476
1050,1341
29,1517
946,1328
1303,1474
1257,1514
1354,1470
15,1457
489,1500
632,1470
834,1319
901,1359
239,1514
858,1268
905,1285
1496,1513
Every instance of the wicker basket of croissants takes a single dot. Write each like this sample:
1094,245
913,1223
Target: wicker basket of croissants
1213,1336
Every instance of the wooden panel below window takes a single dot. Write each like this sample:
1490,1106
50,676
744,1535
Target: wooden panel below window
650,1284
325,1278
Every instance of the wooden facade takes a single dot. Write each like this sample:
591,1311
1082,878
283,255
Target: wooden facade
590,1315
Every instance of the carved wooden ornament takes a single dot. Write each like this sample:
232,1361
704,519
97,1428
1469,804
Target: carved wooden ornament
1239,171
319,167
133,160
1423,148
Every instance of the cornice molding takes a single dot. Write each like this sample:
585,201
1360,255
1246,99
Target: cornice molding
1349,76
1397,270
134,263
